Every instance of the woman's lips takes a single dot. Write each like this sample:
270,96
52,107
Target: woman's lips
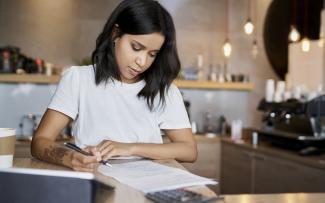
134,72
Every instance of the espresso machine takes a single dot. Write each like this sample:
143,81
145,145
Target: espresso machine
294,124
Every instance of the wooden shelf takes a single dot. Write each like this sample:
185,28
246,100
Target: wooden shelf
29,78
189,84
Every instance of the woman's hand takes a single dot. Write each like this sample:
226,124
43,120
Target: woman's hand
80,162
109,149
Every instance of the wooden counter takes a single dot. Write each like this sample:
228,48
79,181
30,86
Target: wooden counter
123,193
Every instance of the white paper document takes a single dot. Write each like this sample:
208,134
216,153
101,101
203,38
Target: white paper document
148,176
125,157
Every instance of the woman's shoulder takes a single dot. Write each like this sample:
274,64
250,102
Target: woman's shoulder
80,71
173,89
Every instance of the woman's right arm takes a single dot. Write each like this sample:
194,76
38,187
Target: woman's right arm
45,148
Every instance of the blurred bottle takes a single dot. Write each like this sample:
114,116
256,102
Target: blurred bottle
221,76
6,68
39,64
200,73
209,125
212,73
48,69
236,129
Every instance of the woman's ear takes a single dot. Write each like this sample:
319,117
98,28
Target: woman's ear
116,32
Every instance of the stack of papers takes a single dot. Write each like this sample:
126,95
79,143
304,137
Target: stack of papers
125,157
148,176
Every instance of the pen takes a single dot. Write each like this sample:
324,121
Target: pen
78,149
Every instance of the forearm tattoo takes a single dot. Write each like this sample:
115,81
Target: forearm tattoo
55,154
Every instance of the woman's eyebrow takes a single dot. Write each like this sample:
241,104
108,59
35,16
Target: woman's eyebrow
138,43
142,46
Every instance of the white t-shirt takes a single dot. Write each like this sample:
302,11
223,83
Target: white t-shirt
113,111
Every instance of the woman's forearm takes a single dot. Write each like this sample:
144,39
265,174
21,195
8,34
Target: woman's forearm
48,150
181,151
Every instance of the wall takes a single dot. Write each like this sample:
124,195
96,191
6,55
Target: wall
62,31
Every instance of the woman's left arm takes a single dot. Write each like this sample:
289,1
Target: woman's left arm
182,147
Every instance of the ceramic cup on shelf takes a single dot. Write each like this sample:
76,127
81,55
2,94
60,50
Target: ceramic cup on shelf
7,146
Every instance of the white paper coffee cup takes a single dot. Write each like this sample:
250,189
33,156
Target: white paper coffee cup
269,90
7,146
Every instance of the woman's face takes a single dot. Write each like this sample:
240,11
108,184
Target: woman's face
135,54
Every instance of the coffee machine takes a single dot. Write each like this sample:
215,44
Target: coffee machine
294,124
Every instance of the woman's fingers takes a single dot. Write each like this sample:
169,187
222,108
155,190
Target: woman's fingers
103,148
108,152
94,151
81,161
103,145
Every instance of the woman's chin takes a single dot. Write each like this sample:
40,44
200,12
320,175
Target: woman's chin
130,79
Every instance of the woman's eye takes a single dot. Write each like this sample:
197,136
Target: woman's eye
135,48
153,55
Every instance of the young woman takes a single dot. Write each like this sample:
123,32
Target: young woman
123,103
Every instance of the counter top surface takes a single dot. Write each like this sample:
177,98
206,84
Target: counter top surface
317,161
123,193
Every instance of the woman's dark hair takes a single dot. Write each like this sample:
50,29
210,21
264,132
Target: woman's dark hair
137,17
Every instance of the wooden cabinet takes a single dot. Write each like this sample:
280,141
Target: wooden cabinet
276,175
208,161
247,170
236,170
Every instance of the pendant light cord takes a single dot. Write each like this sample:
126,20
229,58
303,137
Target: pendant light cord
306,18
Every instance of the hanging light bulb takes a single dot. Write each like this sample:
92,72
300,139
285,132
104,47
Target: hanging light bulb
294,34
226,48
249,27
305,44
254,49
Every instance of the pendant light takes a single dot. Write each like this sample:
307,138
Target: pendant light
249,26
254,50
294,35
226,48
305,43
322,28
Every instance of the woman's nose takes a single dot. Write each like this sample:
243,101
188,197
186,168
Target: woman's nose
141,60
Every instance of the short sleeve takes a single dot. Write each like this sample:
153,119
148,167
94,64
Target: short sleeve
66,96
173,115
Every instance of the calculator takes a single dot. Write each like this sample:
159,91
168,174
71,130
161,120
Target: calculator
179,196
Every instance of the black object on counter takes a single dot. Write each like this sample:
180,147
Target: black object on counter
180,196
294,124
39,185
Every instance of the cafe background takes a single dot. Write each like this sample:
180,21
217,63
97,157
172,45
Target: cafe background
64,32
